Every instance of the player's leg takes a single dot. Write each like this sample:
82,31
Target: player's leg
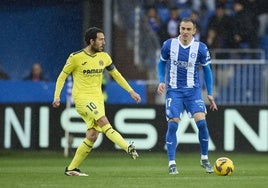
86,146
197,109
83,149
116,137
171,143
203,136
174,107
195,106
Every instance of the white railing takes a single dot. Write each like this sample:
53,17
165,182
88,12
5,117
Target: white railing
240,81
242,55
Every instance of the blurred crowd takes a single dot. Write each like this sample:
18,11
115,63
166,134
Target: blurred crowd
34,74
220,23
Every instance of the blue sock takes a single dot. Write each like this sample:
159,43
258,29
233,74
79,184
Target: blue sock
171,139
203,136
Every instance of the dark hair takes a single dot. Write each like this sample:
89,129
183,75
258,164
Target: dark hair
91,33
188,20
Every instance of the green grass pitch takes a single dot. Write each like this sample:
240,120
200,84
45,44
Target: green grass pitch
117,170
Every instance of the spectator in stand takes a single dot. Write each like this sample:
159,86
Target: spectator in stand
260,10
173,23
219,30
153,20
194,15
245,35
3,74
180,4
36,73
207,5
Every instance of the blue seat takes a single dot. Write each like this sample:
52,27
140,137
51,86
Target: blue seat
185,13
163,14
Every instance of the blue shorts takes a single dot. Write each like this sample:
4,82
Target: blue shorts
189,99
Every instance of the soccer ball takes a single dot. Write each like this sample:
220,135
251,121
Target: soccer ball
223,166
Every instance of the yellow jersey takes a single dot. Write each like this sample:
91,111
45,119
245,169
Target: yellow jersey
87,71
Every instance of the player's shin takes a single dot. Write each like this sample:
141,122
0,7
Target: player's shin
203,136
81,153
115,137
171,140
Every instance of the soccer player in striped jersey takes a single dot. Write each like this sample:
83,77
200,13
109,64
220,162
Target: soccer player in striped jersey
87,67
179,80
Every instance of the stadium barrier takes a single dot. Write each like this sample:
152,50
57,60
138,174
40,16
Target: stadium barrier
39,126
42,92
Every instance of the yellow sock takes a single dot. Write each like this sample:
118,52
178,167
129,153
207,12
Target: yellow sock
81,153
114,136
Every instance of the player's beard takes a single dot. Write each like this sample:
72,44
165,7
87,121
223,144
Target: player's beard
96,49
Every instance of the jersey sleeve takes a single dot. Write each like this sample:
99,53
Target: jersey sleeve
119,78
208,79
67,69
116,74
107,59
161,71
205,55
165,50
206,61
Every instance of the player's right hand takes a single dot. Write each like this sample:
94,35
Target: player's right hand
135,96
56,103
161,88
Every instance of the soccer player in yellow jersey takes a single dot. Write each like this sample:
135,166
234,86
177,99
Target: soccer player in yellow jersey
86,67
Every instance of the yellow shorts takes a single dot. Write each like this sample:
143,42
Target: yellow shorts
90,111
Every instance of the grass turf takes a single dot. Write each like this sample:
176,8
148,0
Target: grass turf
46,169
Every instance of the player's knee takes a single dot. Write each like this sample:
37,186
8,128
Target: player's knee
172,126
92,138
102,121
174,120
92,135
199,116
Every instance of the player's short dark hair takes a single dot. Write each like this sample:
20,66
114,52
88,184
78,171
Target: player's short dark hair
91,33
188,20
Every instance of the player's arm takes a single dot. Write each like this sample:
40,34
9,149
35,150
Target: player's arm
161,67
67,69
208,78
59,85
209,86
206,62
122,82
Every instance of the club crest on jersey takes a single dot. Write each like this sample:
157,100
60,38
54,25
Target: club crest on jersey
193,55
174,62
101,63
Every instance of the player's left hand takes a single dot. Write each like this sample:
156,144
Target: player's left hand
56,103
135,96
213,105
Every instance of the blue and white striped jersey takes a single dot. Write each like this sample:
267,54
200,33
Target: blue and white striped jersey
182,62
